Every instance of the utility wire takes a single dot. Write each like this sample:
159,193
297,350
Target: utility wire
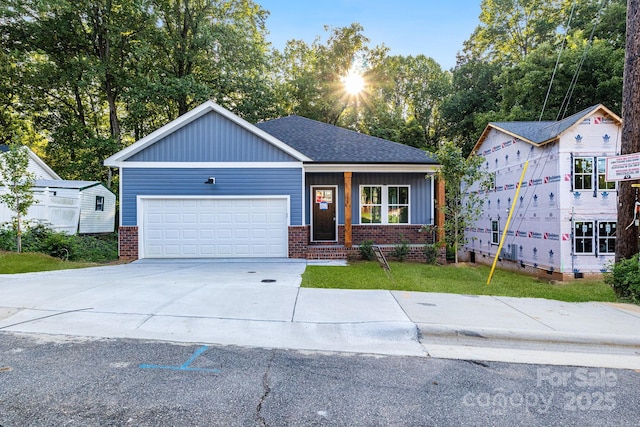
555,69
574,81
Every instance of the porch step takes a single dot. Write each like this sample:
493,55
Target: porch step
326,252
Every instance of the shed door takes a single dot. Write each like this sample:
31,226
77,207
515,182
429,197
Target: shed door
214,228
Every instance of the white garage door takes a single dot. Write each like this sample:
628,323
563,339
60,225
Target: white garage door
214,228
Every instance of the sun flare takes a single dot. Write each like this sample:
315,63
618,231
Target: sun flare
353,83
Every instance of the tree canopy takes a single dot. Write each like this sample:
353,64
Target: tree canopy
82,79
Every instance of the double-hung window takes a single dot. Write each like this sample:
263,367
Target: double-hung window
602,184
583,173
384,204
587,170
495,232
99,203
606,237
583,234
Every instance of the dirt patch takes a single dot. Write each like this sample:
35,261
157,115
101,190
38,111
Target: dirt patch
629,307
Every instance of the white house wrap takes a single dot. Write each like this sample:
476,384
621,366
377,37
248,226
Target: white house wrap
564,221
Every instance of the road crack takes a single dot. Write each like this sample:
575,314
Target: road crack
266,390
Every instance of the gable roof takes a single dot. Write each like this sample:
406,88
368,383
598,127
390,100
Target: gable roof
543,132
325,143
121,156
33,156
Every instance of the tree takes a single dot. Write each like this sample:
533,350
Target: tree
310,76
511,29
414,89
18,182
474,91
462,206
627,239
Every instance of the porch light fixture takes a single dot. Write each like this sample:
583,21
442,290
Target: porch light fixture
211,180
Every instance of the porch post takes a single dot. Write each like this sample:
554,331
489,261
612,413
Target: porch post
347,210
440,201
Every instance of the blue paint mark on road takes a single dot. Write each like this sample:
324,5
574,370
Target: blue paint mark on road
185,365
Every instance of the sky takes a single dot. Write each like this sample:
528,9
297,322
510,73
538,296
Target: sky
408,27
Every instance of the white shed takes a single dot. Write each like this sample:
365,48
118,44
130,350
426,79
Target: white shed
67,206
82,207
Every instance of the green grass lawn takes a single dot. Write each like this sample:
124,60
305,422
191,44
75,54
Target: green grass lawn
455,279
12,263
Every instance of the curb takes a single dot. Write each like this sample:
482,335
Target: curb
556,337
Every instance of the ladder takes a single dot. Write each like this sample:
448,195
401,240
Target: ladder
381,259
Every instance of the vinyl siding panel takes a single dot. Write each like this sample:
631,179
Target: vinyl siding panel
420,192
211,138
229,182
91,220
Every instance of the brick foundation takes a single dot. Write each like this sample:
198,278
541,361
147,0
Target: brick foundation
128,243
387,237
298,241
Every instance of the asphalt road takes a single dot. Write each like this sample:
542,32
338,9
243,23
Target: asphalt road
62,381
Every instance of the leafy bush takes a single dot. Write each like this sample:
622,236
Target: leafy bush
624,278
366,250
431,252
59,245
401,250
40,238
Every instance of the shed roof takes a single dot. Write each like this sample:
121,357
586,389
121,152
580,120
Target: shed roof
325,143
65,183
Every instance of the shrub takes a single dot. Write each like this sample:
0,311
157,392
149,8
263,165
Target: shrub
96,248
366,250
431,252
7,237
624,278
58,245
40,238
401,250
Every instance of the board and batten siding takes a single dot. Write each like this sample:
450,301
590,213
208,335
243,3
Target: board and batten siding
229,182
211,138
91,220
421,205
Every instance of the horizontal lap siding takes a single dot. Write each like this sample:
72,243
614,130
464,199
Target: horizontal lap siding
211,138
229,182
420,192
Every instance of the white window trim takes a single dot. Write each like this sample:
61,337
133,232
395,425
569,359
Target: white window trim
597,174
385,204
594,171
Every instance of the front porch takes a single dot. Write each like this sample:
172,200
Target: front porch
386,237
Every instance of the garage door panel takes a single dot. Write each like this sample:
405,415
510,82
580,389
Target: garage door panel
223,228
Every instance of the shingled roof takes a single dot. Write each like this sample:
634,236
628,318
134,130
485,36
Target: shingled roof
542,132
325,143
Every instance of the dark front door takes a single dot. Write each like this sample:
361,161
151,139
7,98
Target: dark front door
324,214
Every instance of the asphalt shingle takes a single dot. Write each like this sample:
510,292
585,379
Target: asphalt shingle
543,131
325,143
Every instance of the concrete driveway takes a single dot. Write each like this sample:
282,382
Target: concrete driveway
241,302
259,303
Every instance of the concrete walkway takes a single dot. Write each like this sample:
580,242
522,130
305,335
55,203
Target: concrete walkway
260,304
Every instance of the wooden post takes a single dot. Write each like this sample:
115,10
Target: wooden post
627,238
440,209
347,210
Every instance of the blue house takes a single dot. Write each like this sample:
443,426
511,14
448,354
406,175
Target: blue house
211,185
